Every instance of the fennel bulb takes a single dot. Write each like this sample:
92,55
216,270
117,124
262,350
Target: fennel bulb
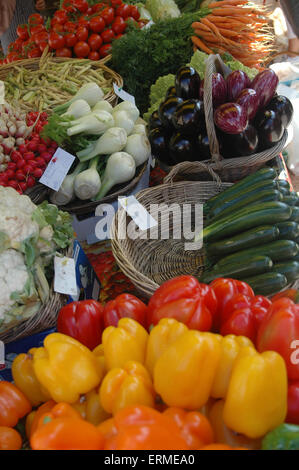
130,108
122,119
66,193
113,140
88,183
103,105
139,147
90,92
119,169
78,109
95,123
139,129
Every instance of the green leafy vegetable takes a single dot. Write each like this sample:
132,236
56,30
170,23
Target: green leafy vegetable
61,222
157,94
234,64
198,62
162,9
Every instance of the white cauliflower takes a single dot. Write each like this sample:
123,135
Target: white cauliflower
9,197
17,225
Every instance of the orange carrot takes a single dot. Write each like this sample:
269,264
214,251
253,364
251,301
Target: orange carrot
227,3
212,27
197,42
197,24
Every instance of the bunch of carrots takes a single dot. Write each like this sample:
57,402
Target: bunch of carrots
232,27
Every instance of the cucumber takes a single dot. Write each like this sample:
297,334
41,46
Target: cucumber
254,198
283,190
279,250
290,269
255,236
261,175
295,214
283,183
292,199
267,283
288,230
256,265
246,218
251,194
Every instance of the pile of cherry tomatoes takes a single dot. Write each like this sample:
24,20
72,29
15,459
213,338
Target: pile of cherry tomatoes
76,30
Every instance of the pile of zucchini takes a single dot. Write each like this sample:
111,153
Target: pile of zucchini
252,233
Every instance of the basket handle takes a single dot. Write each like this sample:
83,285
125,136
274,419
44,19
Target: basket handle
192,168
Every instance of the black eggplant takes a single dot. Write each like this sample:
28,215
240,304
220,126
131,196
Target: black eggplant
167,109
202,146
187,83
159,144
189,117
269,127
239,145
170,92
154,121
182,148
282,106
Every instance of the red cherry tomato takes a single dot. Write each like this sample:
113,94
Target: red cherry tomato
42,46
134,12
56,41
82,49
81,5
68,6
83,21
89,11
115,3
97,24
70,39
34,53
57,28
123,10
95,41
39,38
64,52
70,27
105,50
37,29
22,32
107,36
94,55
98,7
82,33
35,19
119,25
118,36
108,15
61,16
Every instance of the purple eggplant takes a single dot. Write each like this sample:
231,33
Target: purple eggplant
239,145
248,99
202,83
231,118
187,83
189,117
203,147
282,106
219,90
182,148
270,128
167,109
265,84
170,92
154,121
159,144
236,82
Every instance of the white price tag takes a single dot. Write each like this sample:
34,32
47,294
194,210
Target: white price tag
57,169
137,212
65,276
152,161
2,92
123,94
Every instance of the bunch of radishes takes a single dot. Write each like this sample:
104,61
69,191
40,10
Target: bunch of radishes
24,154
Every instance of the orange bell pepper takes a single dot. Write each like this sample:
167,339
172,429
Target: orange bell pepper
216,446
195,427
32,420
141,428
62,428
13,404
10,439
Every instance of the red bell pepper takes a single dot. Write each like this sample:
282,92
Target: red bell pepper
82,320
124,305
292,294
293,403
224,290
279,332
186,300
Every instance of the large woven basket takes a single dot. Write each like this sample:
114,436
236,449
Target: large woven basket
45,318
148,263
229,169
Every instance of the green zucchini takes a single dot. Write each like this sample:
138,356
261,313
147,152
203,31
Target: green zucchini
288,230
290,269
246,218
256,265
254,237
279,250
283,183
267,283
292,199
283,190
254,198
260,175
295,214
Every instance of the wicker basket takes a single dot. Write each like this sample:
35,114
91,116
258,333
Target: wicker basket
45,318
149,263
229,169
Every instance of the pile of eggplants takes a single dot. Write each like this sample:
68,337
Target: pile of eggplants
249,116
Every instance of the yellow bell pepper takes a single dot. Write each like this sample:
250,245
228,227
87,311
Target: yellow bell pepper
90,408
130,385
66,368
25,379
126,342
231,346
161,337
99,354
256,400
184,374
